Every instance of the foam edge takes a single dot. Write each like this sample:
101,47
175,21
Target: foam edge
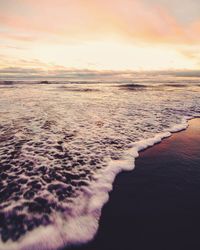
82,228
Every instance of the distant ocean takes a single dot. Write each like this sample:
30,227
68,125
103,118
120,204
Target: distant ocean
62,144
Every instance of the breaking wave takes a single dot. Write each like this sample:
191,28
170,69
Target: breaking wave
61,150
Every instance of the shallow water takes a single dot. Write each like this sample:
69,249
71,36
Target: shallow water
61,146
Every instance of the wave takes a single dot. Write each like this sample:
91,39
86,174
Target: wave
60,152
81,228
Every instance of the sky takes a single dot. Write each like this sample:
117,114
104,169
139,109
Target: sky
102,35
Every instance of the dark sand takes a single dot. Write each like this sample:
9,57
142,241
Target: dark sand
157,205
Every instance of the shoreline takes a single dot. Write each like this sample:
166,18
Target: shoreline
109,208
118,168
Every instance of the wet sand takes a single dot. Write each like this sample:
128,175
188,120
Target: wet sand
157,205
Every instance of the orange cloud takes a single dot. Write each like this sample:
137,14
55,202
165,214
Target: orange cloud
91,19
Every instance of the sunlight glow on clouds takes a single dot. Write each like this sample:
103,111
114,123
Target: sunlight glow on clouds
100,34
104,55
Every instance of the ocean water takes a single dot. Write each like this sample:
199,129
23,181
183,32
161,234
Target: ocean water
62,144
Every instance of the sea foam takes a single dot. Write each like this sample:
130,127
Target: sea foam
61,150
82,228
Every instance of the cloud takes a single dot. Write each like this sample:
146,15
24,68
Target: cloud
187,73
17,37
101,34
65,20
57,72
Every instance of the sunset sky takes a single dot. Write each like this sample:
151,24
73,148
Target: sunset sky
49,35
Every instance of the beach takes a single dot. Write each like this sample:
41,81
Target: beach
156,206
62,145
100,125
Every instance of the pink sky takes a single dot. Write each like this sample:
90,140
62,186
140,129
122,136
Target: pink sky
27,26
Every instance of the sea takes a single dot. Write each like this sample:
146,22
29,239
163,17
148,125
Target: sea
62,143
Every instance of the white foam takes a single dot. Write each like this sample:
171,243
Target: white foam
107,119
82,227
103,185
